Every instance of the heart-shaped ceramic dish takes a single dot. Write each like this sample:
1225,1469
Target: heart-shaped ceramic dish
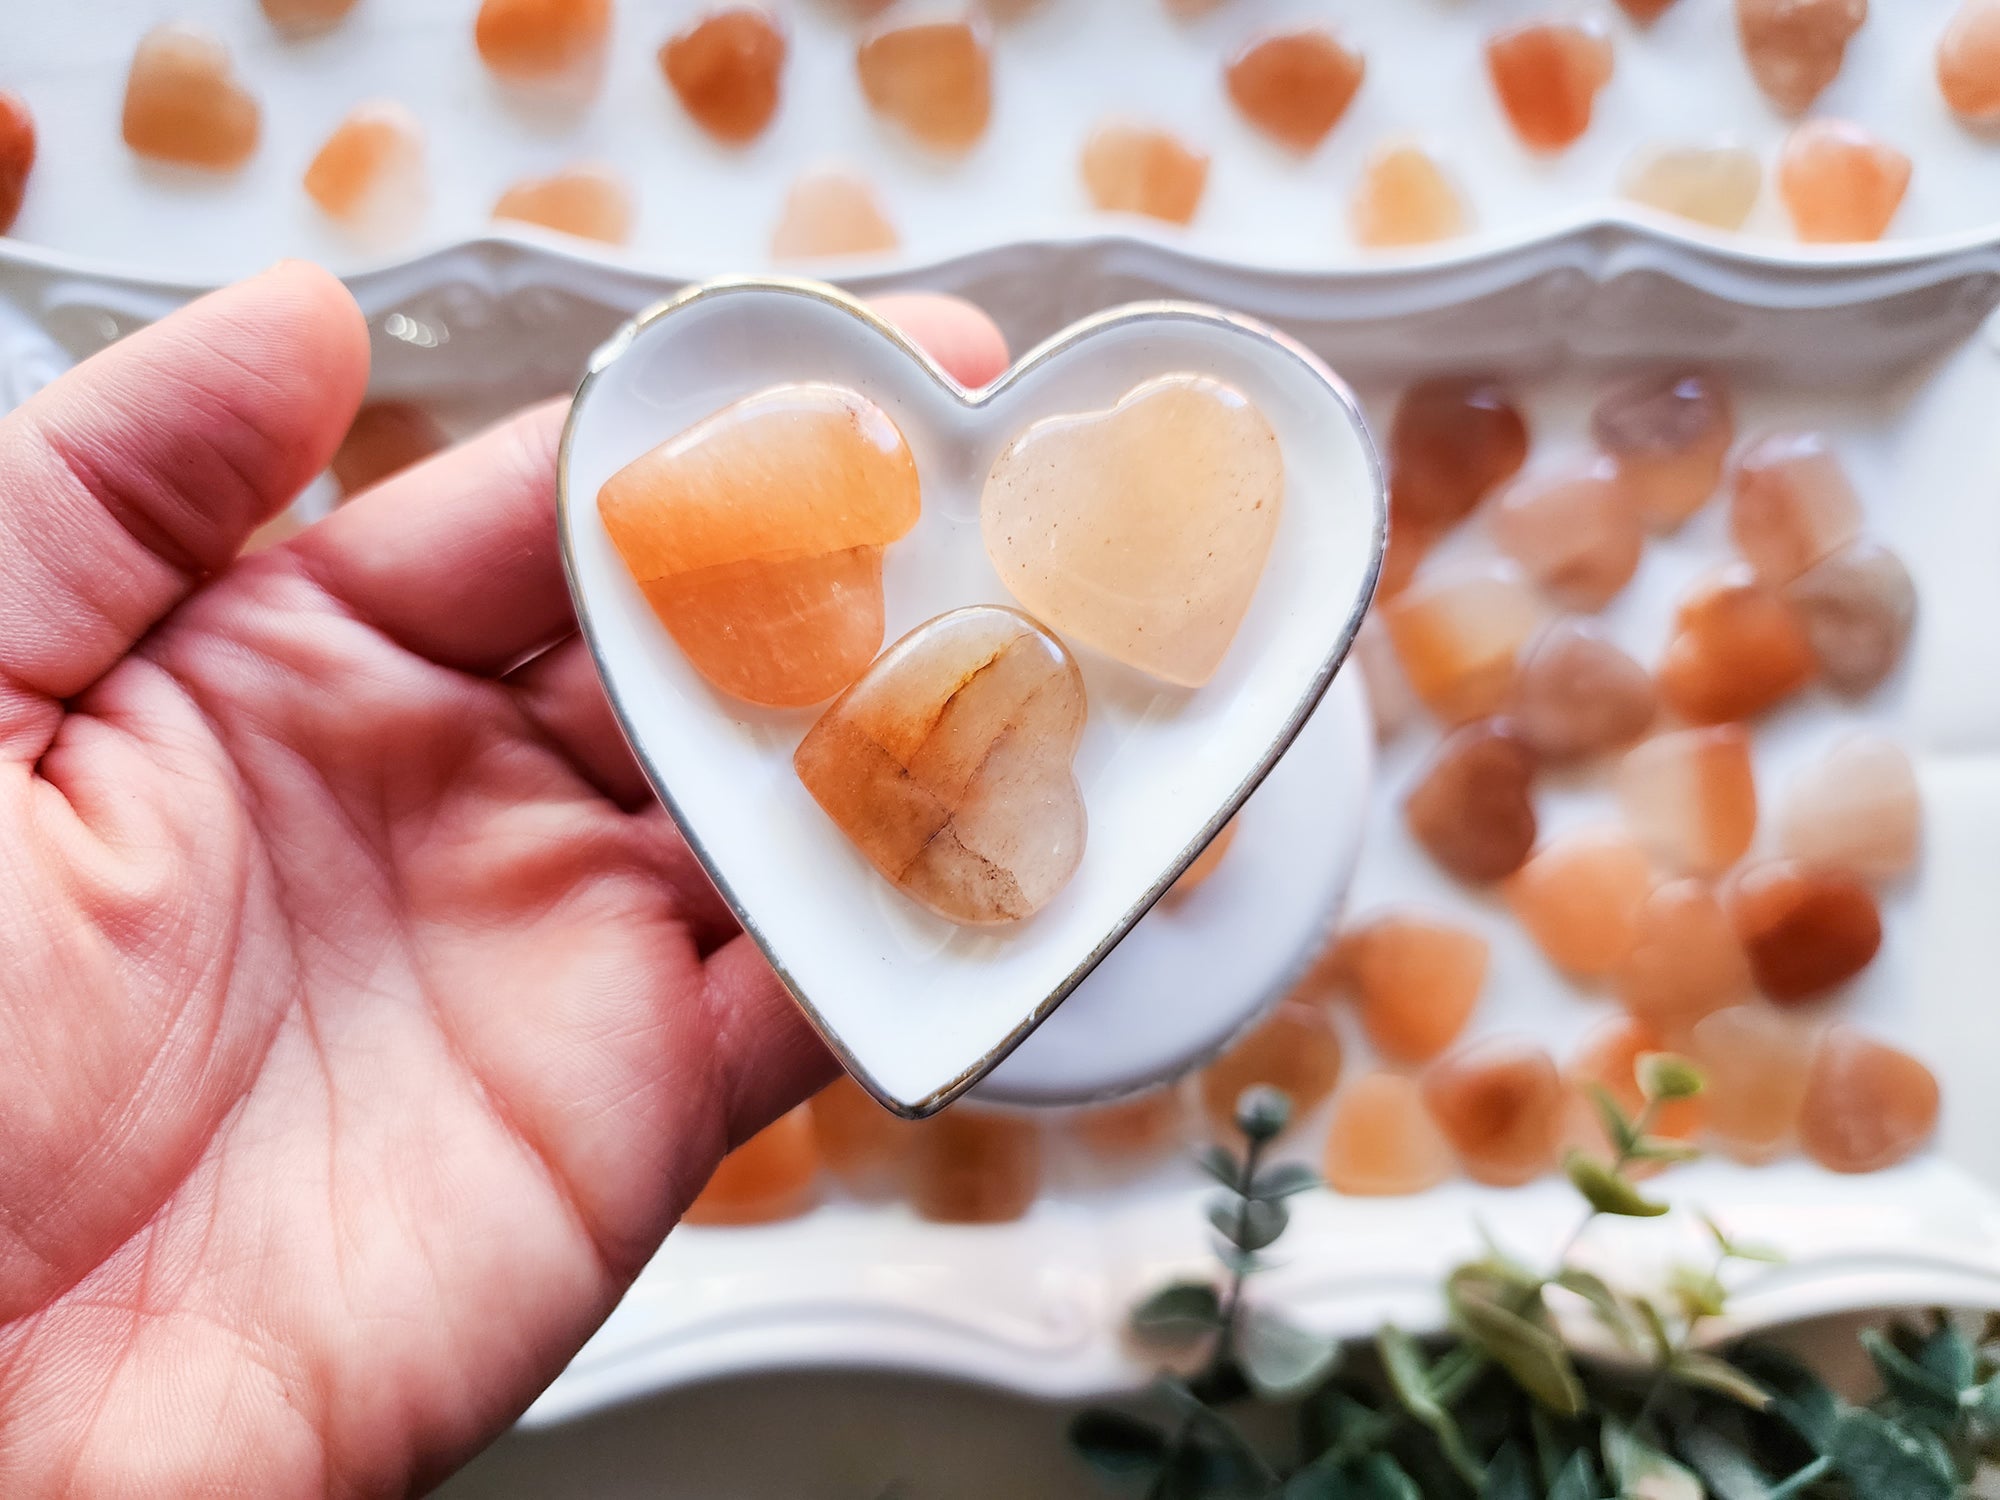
919,1009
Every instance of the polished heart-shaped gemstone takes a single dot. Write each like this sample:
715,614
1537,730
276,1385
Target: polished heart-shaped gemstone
1142,530
1738,649
1295,85
1135,169
1968,62
183,102
1548,74
369,173
1867,1105
933,79
948,765
1857,607
589,200
1500,1104
757,537
725,69
1795,47
543,41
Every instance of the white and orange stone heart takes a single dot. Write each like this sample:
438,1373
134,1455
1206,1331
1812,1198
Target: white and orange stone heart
921,877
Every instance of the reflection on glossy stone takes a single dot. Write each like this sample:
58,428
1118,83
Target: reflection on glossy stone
1737,650
17,155
1691,798
1839,182
385,438
725,69
1867,1105
1670,437
1548,74
1579,897
1807,931
369,174
1686,960
1472,807
184,104
1134,169
1855,809
828,214
1578,695
1576,531
1295,85
542,41
932,79
1381,1141
769,1177
1414,977
975,1166
948,765
1295,1048
1712,185
1795,47
1406,197
1857,607
1500,1105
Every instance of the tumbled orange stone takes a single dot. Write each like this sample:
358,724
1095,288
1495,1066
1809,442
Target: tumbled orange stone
1968,62
725,69
1795,47
17,155
539,41
933,79
1807,931
1686,960
1712,185
588,200
1854,809
1645,12
1295,85
1670,437
184,104
1206,863
1608,1058
1415,978
1579,897
369,174
1500,1104
1547,75
1295,1049
1753,1061
1473,807
1133,169
767,1178
1405,197
306,15
1458,634
948,765
1839,182
1452,442
829,214
859,1141
1737,649
1793,505
1576,531
1691,798
757,537
1578,694
1131,1130
975,1166
1857,606
384,438
1867,1105
1381,1141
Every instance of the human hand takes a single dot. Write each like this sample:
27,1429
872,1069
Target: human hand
364,1023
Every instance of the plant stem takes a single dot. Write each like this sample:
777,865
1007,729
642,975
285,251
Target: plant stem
1232,1301
1640,1126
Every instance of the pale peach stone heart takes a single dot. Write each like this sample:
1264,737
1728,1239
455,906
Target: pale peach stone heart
948,765
1712,185
831,213
1575,530
1133,169
1867,1105
1691,797
1458,634
588,200
1839,182
932,79
757,537
1141,531
1608,1058
1686,960
1793,504
1415,978
1856,809
1753,1060
369,173
1968,62
1579,896
184,104
1795,47
1381,1142
1406,197
1578,694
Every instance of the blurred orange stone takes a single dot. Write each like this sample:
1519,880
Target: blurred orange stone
1753,1060
1839,182
1131,169
1609,1058
1500,1104
933,79
1295,85
385,438
1857,607
725,69
975,1166
1579,897
586,200
1148,1125
859,1141
828,214
306,15
1295,1048
1405,197
1691,798
1458,633
1856,809
1548,74
1793,505
1968,62
1473,806
1392,702
1382,1142
1686,960
1867,1105
1578,695
1453,441
1737,649
1795,47
757,537
184,104
1410,542
1645,12
1576,531
17,155
1205,863
1415,978
539,41
1807,931
1670,437
769,1177
370,172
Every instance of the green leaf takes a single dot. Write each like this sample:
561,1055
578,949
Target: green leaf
1178,1314
1722,1464
1928,1398
1640,1471
1119,1447
1382,1478
1618,1126
1948,1354
1799,1482
1415,1385
1221,1164
1667,1076
1882,1462
1692,1367
1699,1293
1607,1192
1262,1112
1285,1179
1527,1350
1507,1475
1248,1223
1798,1396
1577,1480
1656,1328
1280,1358
1733,1249
1984,1403
1333,1423
1611,1309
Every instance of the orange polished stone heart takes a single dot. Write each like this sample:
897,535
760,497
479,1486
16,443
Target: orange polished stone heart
183,102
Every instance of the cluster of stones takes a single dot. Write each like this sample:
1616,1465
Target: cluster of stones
1139,532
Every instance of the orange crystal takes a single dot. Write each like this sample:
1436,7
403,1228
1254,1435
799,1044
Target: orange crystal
1132,169
1753,1061
1795,47
1686,960
302,16
184,104
1548,74
541,41
1867,1105
1415,979
1807,931
1453,440
1500,1104
1458,633
859,1141
370,172
1712,185
587,200
1381,1141
757,537
769,1177
1579,896
725,70
1857,607
1968,62
1608,1058
1575,531
828,214
1141,531
1579,695
975,1166
1691,798
1738,649
948,765
1793,504
1295,1048
385,438
1295,85
1670,437
1839,182
1131,1130
1405,197
1473,807
17,155
1855,809
933,79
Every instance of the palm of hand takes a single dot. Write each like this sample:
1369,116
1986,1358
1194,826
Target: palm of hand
365,1023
